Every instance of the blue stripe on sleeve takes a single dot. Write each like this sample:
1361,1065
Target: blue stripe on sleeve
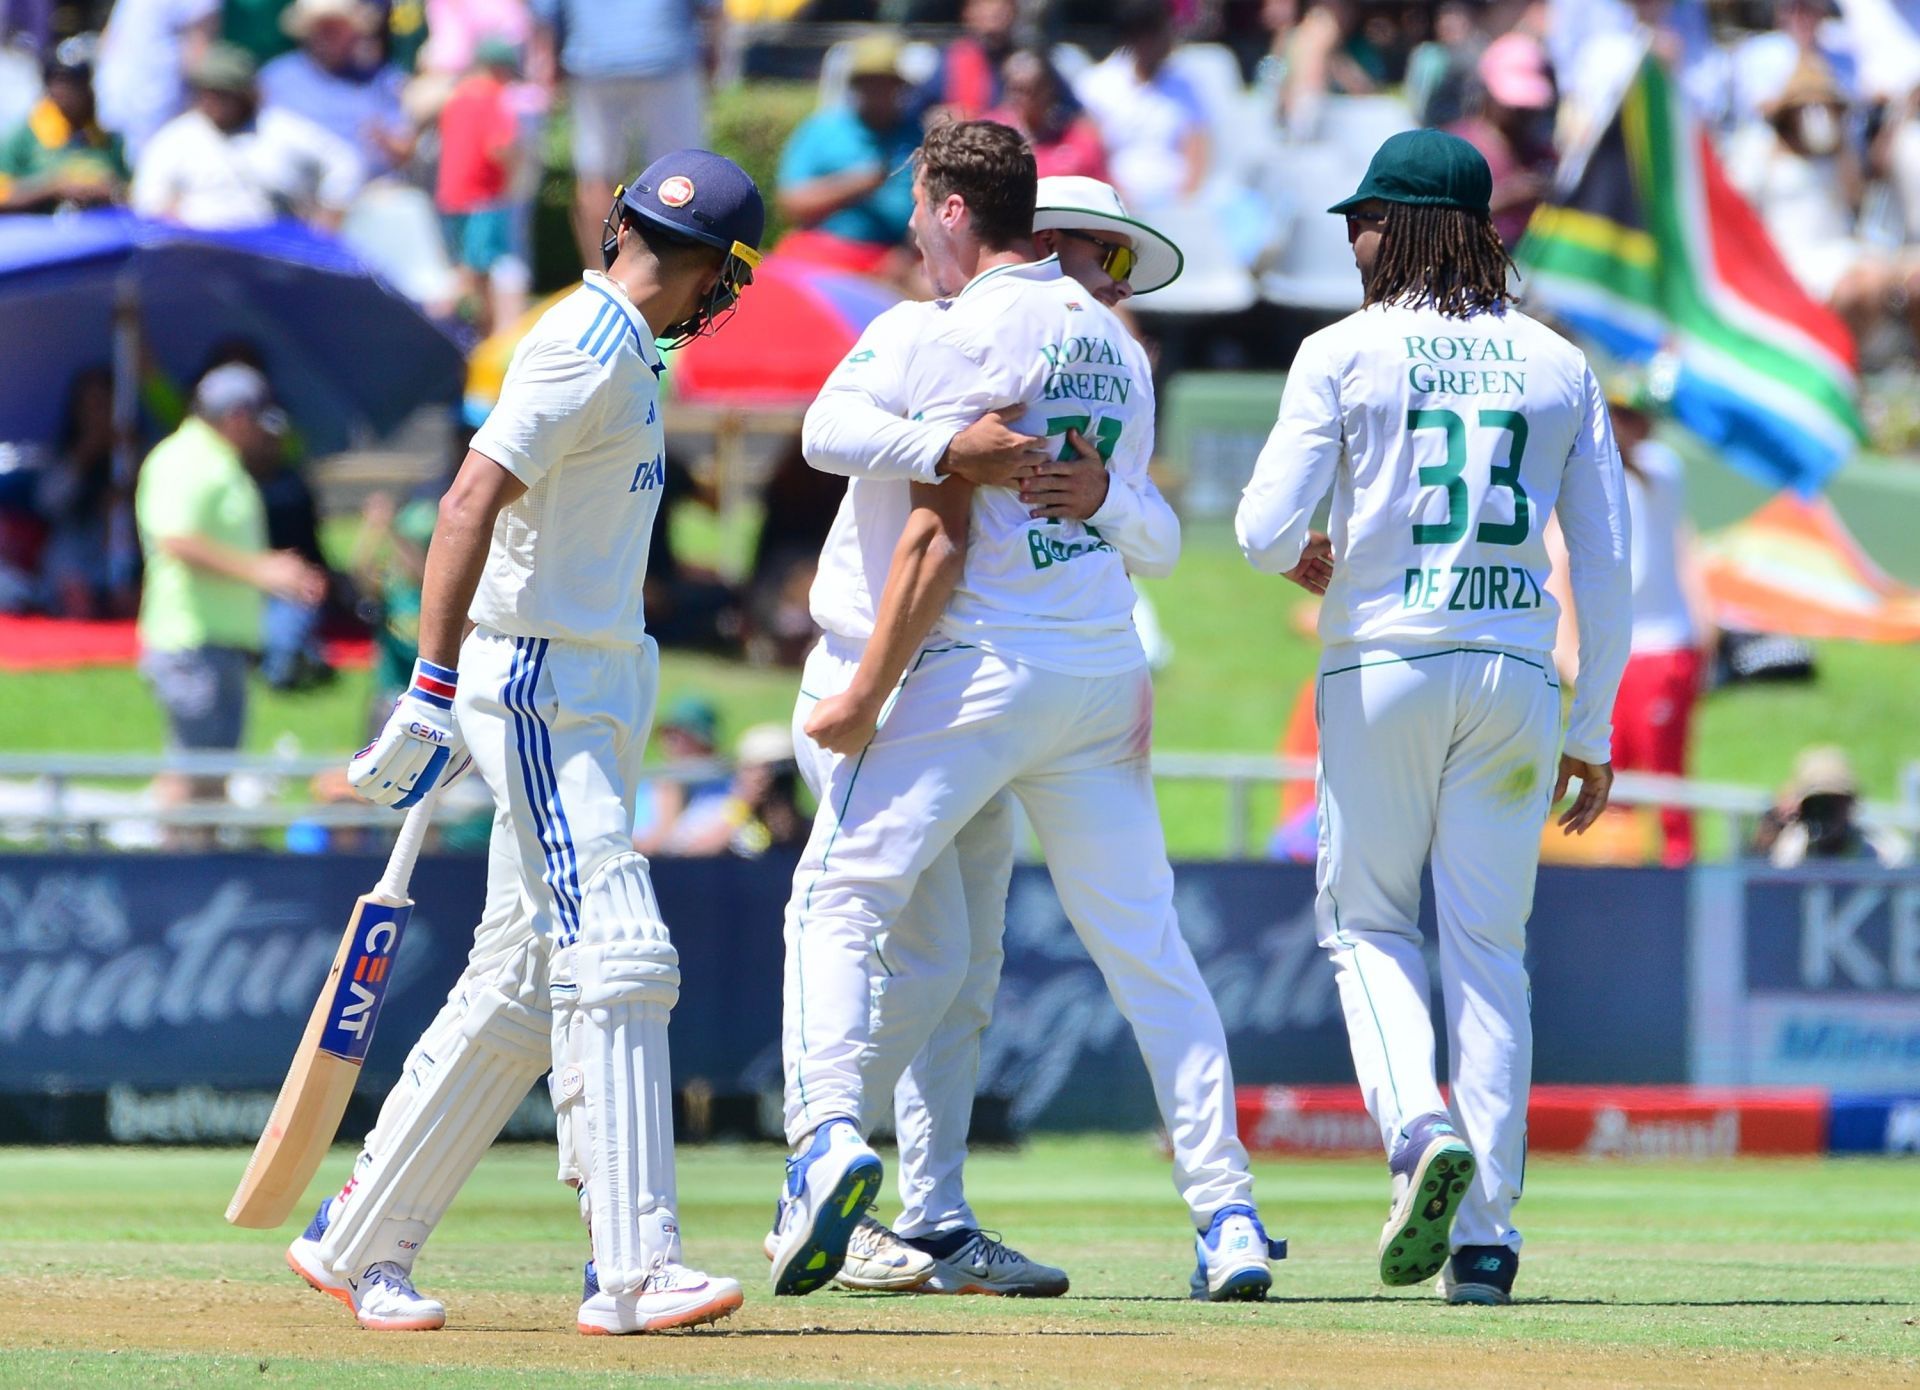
594,328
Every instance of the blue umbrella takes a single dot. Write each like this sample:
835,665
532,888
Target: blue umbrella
347,355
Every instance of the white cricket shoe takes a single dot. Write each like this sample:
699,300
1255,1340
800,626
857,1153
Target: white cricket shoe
877,1260
828,1189
383,1300
982,1263
672,1296
1231,1259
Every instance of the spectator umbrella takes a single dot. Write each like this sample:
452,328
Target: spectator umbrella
347,356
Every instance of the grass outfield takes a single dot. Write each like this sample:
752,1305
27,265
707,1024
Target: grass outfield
116,1270
1239,661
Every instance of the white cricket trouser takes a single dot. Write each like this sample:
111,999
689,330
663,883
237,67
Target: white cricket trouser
558,730
966,882
964,725
1449,753
467,1073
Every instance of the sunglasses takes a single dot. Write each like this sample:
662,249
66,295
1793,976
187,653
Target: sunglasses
1118,261
1367,219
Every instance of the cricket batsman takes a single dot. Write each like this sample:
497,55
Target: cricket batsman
541,546
1448,425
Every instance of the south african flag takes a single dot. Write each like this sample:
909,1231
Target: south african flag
1649,251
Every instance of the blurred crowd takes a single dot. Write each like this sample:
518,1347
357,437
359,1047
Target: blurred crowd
416,128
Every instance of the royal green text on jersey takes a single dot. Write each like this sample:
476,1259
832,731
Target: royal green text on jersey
1444,365
1063,382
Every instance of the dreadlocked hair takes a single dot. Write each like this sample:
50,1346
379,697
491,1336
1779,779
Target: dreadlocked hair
1442,258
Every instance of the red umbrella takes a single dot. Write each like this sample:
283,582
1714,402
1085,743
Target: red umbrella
794,324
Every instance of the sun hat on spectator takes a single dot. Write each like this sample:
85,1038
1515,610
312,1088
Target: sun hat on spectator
1514,72
875,55
302,15
1823,771
236,386
1073,202
224,67
1425,168
1811,83
765,745
496,52
73,57
695,716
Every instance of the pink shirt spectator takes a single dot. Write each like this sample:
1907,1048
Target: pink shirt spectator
456,29
1075,148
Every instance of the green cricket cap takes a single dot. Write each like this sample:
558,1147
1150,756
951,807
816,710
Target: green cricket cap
1426,168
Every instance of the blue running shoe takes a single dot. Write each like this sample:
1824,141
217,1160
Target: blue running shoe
1481,1274
1432,1169
1232,1258
305,1259
829,1187
590,1285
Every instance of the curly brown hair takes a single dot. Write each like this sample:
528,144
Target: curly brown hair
991,167
1444,258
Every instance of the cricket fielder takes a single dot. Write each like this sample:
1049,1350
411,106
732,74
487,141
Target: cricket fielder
1449,425
1036,682
542,544
857,427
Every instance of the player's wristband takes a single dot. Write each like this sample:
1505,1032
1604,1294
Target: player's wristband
434,684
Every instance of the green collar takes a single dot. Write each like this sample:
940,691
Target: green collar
986,275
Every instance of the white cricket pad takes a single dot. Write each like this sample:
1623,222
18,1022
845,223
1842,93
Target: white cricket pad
613,991
469,1071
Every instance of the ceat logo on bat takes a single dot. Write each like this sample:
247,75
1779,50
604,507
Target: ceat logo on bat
677,191
363,983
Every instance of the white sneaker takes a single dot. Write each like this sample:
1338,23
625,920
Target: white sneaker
877,1260
1232,1259
983,1264
829,1187
673,1296
384,1300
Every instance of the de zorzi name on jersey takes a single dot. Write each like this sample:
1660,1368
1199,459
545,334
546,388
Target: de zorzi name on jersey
1463,366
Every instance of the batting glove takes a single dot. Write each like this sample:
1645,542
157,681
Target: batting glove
420,746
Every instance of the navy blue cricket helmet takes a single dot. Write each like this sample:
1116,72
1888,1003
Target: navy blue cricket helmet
703,197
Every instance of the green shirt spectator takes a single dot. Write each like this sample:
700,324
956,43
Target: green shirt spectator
59,156
194,485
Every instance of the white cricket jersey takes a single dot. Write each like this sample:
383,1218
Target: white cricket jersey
1656,497
578,421
1447,442
1050,593
858,427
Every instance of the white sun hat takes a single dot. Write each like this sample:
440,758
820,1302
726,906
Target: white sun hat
1073,202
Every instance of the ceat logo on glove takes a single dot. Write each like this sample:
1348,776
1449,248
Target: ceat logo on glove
426,731
677,191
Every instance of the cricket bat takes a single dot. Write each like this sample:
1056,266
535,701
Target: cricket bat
327,1063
